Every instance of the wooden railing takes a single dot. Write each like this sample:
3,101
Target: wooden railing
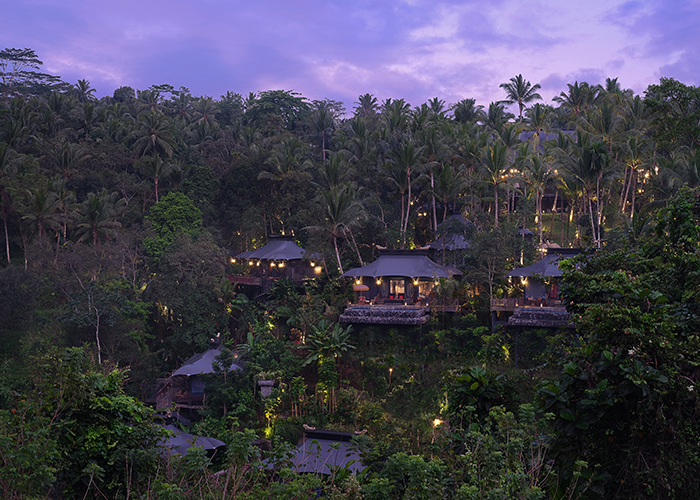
511,303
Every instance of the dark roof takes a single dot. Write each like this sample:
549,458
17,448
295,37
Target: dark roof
201,363
403,263
317,455
548,266
180,442
278,248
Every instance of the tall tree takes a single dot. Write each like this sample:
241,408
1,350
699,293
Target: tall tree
408,158
154,135
342,211
520,91
494,167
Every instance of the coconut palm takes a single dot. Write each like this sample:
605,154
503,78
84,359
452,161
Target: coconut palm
41,208
154,136
408,158
496,116
6,170
285,160
342,211
494,168
520,91
449,184
97,216
367,106
156,169
84,92
635,158
335,172
589,164
579,98
539,175
537,118
467,110
205,111
324,124
88,116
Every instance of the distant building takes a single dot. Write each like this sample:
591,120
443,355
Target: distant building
185,387
280,258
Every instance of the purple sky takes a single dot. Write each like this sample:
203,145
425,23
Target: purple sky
339,49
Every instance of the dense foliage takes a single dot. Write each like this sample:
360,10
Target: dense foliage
121,215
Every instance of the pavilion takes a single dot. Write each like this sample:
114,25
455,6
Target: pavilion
280,258
399,287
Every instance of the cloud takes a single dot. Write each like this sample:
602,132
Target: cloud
415,49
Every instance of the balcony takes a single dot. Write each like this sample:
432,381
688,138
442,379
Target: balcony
533,313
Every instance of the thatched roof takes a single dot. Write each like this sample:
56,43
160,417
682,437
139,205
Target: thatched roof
201,363
403,263
278,248
548,266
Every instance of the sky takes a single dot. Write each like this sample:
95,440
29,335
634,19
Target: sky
341,49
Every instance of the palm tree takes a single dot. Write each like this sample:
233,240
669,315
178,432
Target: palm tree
408,158
449,184
496,116
539,175
97,216
154,137
435,151
367,106
205,111
335,172
84,92
67,157
41,210
520,91
156,168
589,165
537,119
579,98
494,167
324,124
88,116
286,158
396,115
466,111
6,169
635,158
342,211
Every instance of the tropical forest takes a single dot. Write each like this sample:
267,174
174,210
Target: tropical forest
124,219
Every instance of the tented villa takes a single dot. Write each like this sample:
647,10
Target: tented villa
280,258
397,288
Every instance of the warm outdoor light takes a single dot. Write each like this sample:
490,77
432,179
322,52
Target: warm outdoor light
281,264
257,263
379,281
312,264
233,261
250,263
318,269
272,264
436,422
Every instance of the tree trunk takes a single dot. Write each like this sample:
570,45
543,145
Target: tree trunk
432,186
495,202
337,254
408,210
7,240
